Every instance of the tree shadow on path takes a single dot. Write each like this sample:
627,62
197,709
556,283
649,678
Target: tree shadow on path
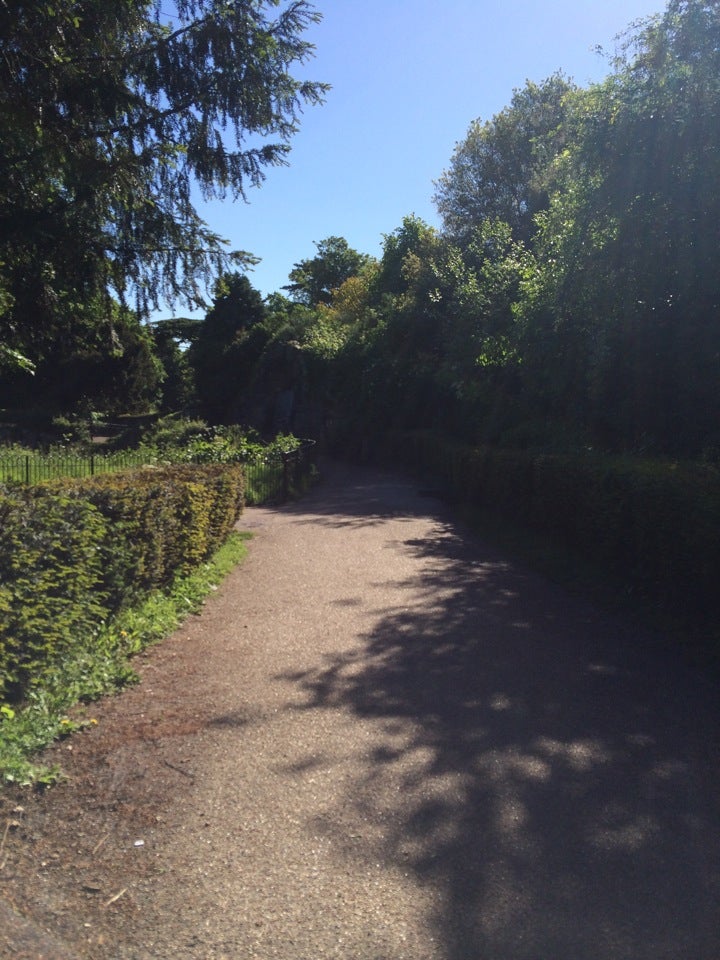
543,767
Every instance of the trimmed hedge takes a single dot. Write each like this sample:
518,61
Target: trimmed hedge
654,526
50,578
75,552
164,521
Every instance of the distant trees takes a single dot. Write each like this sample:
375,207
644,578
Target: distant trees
228,342
313,280
434,345
572,298
171,339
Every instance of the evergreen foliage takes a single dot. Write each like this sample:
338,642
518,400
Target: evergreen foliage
75,552
110,112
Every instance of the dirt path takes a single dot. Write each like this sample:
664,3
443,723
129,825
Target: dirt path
380,740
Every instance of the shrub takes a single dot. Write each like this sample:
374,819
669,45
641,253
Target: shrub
73,552
172,432
51,579
653,526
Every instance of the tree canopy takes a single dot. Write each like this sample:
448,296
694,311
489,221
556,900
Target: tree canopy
219,351
111,113
313,280
500,170
571,299
627,249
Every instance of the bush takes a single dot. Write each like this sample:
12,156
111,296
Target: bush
51,579
172,432
652,526
73,552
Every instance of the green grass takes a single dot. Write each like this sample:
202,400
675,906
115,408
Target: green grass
101,665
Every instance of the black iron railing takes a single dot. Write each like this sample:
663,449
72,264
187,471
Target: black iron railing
34,468
279,476
272,477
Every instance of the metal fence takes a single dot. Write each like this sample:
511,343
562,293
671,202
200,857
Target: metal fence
280,476
273,477
34,468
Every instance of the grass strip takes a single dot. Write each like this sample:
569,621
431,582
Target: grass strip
101,665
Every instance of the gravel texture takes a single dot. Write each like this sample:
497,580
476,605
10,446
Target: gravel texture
380,741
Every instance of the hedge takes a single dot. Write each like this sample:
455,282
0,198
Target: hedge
75,552
653,526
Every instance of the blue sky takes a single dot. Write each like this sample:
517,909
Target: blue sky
408,77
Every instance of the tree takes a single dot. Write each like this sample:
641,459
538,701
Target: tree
313,280
110,112
627,295
412,242
444,353
389,360
351,304
227,344
499,171
172,338
111,368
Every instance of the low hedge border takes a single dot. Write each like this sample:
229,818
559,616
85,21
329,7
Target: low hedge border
75,552
652,526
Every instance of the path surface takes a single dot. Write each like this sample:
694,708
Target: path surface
380,740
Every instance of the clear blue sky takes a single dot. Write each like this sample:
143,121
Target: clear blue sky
408,77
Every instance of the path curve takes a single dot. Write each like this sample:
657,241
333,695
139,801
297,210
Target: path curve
382,741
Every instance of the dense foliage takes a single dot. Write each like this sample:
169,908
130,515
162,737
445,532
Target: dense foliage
500,171
648,529
97,663
75,552
313,280
110,112
572,300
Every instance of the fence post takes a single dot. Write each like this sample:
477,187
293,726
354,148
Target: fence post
286,476
299,469
27,470
92,464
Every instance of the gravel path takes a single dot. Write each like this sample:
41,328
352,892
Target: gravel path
382,741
